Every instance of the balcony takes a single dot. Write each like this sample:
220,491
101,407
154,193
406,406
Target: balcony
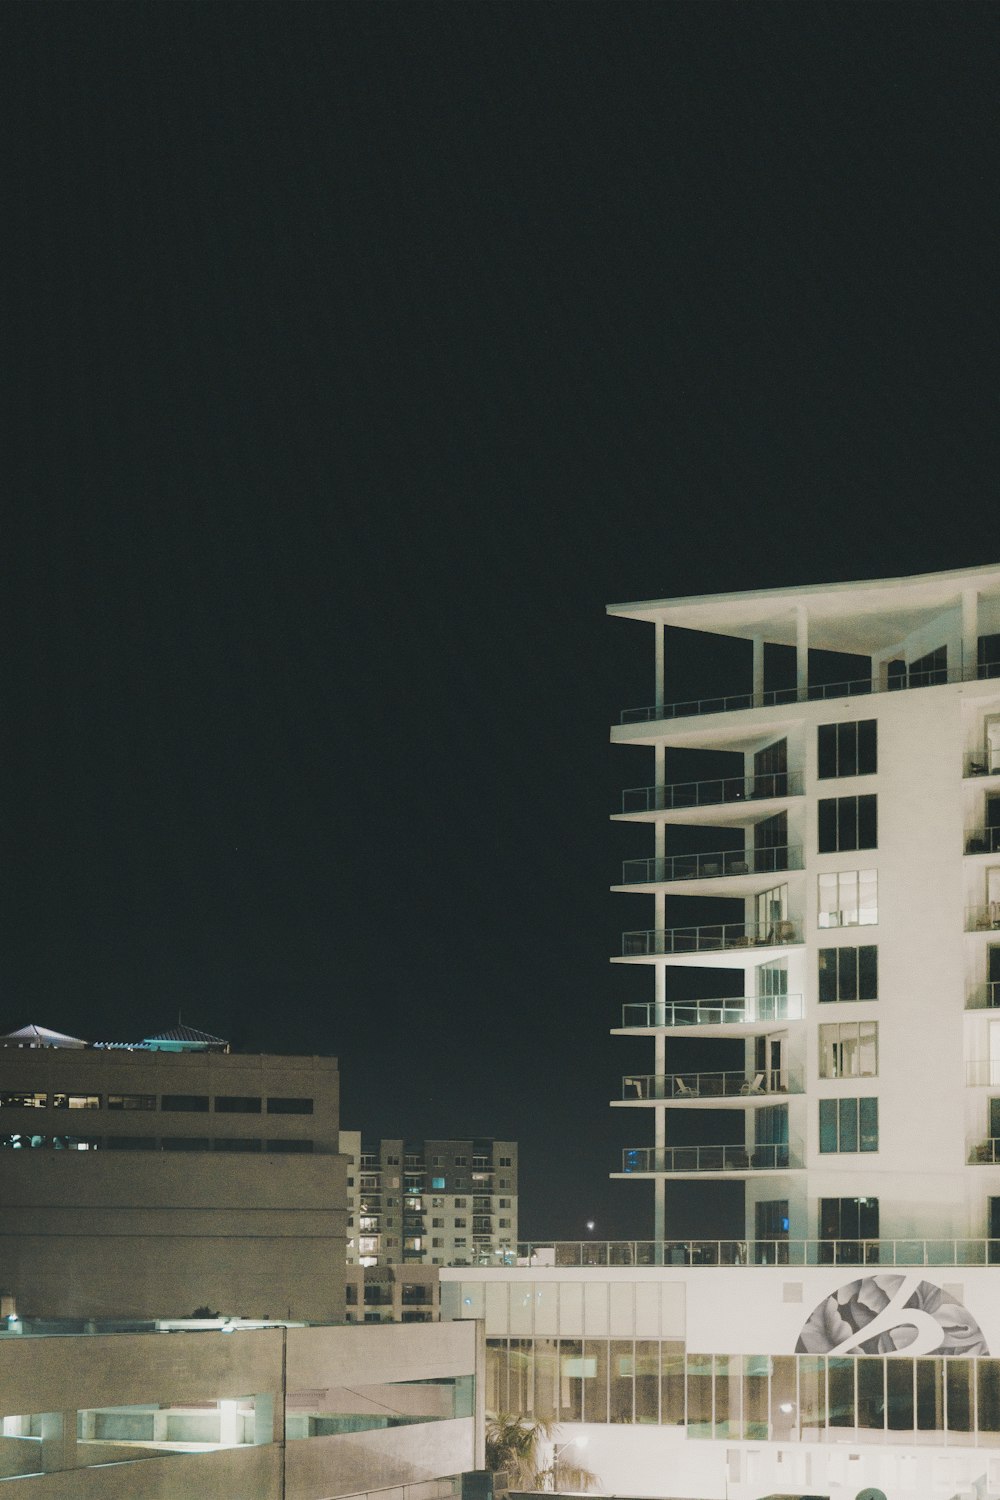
984,997
742,1010
724,864
714,793
815,692
681,1088
714,937
983,1073
983,763
983,918
691,1161
983,841
985,1153
946,1252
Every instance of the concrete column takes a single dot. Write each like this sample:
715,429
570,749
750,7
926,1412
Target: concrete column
659,778
58,1441
659,700
758,671
801,651
970,634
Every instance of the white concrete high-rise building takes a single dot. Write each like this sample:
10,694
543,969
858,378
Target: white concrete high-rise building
856,835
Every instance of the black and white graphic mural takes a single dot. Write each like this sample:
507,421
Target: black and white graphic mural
891,1314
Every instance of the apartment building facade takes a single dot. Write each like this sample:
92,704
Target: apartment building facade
433,1202
203,1177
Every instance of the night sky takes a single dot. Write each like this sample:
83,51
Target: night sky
355,357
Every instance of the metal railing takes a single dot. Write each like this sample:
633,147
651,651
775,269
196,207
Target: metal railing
708,1158
711,792
983,918
711,937
725,863
760,1252
984,997
857,686
658,1087
983,841
646,1015
985,1153
981,763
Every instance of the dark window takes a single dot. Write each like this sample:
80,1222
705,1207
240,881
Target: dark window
290,1146
848,974
131,1101
848,749
192,1103
235,1143
847,823
989,656
848,1124
186,1143
929,669
237,1104
770,770
130,1143
301,1107
770,844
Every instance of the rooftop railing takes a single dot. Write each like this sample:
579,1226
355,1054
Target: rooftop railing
772,1158
853,687
660,1087
724,863
743,1009
790,1252
712,937
711,793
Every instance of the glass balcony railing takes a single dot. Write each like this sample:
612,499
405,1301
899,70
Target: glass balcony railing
723,864
677,1087
984,996
857,686
712,937
772,1158
982,763
783,1252
985,1153
983,918
711,793
739,1010
983,841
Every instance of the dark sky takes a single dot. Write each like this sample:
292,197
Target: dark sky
356,355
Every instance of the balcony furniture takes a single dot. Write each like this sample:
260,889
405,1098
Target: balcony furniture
637,1084
709,869
976,846
738,1160
741,942
682,1091
739,867
754,1087
784,932
977,768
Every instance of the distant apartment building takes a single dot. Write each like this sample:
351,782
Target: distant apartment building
152,1178
434,1203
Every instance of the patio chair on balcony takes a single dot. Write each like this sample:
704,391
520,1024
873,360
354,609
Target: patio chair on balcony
684,1091
638,1084
754,1086
709,868
739,867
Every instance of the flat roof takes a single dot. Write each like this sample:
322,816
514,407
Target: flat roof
857,616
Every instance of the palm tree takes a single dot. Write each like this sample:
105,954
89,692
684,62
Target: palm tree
513,1457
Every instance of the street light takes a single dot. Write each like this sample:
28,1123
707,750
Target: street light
558,1449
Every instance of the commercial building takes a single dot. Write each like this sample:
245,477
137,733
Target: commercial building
431,1202
150,1179
300,1413
830,826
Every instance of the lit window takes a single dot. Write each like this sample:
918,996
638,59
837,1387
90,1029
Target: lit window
848,898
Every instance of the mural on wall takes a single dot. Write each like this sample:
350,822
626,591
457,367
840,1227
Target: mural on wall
891,1315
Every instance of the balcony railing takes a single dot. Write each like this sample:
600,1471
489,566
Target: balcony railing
708,1159
985,996
857,686
983,841
711,866
985,1153
657,1087
791,1252
981,763
983,918
712,937
643,1016
711,793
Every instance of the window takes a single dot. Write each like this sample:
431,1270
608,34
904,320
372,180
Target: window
193,1103
460,1243
237,1104
23,1101
437,1203
437,1223
437,1244
461,1224
505,1182
506,1161
504,1223
847,749
185,1143
847,823
461,1202
848,1049
848,1219
461,1161
848,899
771,1217
290,1146
505,1203
130,1142
437,1183
927,670
437,1161
76,1101
290,1107
392,1161
989,656
848,1124
131,1101
848,974
235,1143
